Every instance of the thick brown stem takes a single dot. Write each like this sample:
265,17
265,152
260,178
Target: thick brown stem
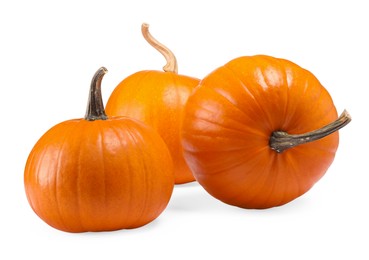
171,65
95,107
280,141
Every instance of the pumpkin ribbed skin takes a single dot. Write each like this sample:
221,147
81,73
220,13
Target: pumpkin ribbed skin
230,118
99,175
157,98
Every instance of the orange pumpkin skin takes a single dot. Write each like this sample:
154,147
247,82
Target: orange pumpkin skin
99,175
230,118
157,98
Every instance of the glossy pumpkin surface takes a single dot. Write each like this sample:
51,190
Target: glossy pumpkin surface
157,98
231,117
99,173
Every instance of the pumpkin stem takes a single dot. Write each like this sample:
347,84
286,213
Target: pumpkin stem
280,140
171,65
95,106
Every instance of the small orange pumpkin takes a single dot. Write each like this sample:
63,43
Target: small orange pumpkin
157,98
250,131
99,173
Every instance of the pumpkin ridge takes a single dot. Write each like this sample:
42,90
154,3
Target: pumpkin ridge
102,151
275,164
244,159
294,172
287,91
121,131
277,65
34,200
281,188
237,108
66,136
78,178
298,121
221,126
247,89
249,129
299,151
256,132
292,85
273,178
243,179
240,161
180,109
267,177
134,138
220,149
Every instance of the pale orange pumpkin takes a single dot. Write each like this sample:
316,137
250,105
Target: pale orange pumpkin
258,131
157,98
99,173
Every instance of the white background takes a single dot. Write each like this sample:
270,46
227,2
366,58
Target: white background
49,51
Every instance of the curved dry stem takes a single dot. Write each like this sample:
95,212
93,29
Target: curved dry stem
95,107
280,141
171,65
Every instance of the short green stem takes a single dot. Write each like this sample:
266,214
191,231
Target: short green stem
280,140
95,107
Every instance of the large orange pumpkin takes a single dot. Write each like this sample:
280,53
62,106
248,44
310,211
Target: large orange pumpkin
157,98
257,131
99,173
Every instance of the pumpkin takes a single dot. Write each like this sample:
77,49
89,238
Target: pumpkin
157,98
99,173
260,131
